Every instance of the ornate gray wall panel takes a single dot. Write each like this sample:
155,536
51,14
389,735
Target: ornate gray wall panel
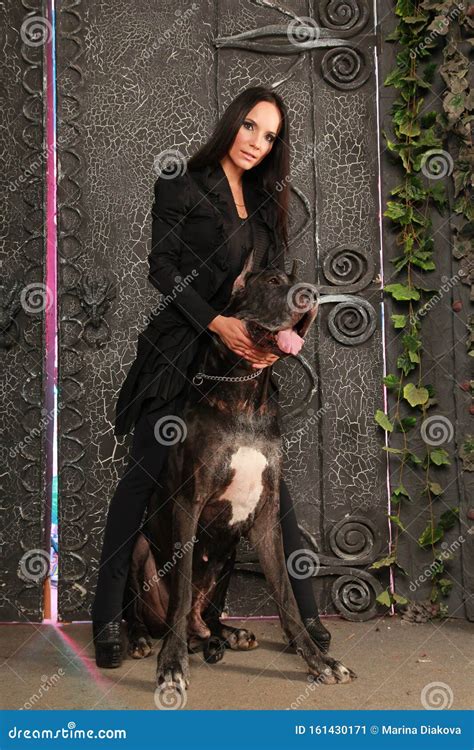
135,81
23,299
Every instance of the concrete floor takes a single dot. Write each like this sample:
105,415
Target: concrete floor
47,666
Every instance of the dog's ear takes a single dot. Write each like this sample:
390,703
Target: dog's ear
239,282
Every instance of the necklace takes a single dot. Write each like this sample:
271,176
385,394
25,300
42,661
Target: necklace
228,378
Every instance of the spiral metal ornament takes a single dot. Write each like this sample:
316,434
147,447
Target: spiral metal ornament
344,68
354,538
352,322
343,15
355,596
348,266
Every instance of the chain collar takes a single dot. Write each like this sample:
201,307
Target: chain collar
197,379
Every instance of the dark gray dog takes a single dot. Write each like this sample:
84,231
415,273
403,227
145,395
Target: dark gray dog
223,483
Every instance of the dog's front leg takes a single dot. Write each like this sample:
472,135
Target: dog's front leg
173,662
265,535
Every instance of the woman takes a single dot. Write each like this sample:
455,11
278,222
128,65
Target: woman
205,221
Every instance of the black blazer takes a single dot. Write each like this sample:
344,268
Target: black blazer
191,220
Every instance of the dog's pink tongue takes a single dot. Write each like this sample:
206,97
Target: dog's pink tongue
289,341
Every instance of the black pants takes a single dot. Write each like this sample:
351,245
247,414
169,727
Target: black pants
147,458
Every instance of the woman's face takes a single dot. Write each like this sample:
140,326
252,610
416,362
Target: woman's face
256,135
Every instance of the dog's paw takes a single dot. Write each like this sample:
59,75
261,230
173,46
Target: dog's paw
214,649
330,672
172,676
242,639
140,647
172,667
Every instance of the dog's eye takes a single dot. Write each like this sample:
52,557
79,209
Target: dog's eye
274,280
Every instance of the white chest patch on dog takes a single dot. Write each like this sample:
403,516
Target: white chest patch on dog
246,487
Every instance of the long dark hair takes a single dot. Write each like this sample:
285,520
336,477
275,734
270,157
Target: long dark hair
272,174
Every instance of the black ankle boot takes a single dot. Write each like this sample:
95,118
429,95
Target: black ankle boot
108,644
319,634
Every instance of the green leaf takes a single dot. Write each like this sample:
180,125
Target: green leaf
425,265
391,381
384,563
435,488
384,598
404,363
399,262
454,104
445,585
428,118
411,189
429,76
412,343
397,212
439,457
414,357
438,194
399,321
406,423
394,36
402,292
397,522
428,290
430,535
428,139
413,459
399,599
382,419
448,518
415,396
401,490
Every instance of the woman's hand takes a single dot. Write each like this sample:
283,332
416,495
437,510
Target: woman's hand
233,333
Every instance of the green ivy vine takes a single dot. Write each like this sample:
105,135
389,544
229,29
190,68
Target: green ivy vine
419,146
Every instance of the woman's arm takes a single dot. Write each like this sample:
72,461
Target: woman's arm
169,211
